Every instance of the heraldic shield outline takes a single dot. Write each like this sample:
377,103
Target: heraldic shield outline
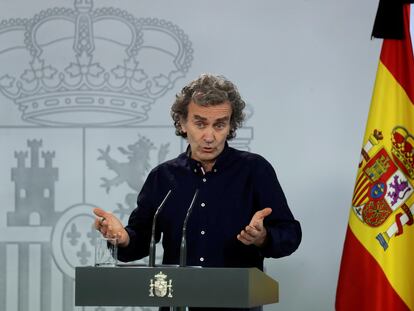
161,286
80,134
384,184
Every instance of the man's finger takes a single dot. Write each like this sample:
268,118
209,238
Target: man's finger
257,219
245,238
260,215
101,217
104,231
99,212
97,223
252,231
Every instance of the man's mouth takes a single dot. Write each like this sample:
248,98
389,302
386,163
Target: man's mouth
207,149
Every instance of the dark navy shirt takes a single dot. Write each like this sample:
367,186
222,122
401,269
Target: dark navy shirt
240,184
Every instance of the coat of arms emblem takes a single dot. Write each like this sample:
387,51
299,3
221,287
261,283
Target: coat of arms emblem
161,286
384,184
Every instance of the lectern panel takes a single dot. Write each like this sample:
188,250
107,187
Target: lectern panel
173,286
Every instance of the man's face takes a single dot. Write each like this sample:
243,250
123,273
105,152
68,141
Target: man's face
207,128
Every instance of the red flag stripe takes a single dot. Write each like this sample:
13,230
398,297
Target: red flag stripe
363,285
393,51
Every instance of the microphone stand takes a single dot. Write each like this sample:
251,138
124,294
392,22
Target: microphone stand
183,247
151,259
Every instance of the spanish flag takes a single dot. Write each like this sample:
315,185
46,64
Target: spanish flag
377,267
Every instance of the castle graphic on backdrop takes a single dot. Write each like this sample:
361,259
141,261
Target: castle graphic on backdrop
34,188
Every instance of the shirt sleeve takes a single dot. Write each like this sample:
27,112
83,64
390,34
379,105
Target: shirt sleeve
140,224
284,232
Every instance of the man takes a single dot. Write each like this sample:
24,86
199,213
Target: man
240,214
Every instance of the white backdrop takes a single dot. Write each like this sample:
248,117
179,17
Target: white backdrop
306,69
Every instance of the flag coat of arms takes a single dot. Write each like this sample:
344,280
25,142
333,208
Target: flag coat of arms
375,271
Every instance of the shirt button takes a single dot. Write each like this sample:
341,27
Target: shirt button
203,204
203,232
195,170
215,170
201,258
204,180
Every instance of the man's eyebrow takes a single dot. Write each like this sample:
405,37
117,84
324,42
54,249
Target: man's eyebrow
200,118
223,119
197,117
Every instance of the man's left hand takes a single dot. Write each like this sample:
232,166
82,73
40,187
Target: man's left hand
255,233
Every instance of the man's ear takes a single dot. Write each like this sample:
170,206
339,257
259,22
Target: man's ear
183,126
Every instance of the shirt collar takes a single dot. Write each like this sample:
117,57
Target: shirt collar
222,161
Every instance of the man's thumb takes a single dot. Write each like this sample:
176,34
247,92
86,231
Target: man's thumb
264,213
99,212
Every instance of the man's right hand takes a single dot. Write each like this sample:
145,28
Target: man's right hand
110,226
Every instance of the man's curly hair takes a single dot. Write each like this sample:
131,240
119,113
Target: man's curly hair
208,90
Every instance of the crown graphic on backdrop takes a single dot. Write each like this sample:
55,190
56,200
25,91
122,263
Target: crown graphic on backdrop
86,66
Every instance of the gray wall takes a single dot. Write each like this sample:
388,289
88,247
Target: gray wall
306,69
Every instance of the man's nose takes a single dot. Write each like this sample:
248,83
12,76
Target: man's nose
208,135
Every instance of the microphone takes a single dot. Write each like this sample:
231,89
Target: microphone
151,259
183,247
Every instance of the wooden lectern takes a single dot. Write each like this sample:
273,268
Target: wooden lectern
174,286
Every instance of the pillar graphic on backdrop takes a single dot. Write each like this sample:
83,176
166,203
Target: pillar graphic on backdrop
82,82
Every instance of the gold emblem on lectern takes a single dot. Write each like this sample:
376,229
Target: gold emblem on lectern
160,286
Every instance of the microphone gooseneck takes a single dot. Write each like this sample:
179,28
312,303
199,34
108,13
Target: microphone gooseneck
151,259
183,247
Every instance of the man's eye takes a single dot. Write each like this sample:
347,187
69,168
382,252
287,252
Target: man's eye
199,125
220,126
